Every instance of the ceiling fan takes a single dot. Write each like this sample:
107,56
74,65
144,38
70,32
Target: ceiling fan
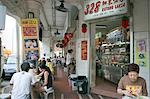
57,33
61,7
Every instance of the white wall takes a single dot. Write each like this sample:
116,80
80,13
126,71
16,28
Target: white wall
82,66
144,71
45,45
141,26
45,48
140,12
9,34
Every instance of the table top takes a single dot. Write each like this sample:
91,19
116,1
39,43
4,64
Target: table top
5,95
144,97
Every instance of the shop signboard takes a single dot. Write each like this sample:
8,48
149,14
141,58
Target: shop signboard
84,50
30,39
94,9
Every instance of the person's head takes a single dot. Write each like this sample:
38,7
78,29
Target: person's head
43,62
133,72
43,58
70,51
42,67
48,60
25,66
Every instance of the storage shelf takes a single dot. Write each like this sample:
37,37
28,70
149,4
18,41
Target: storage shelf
117,54
118,43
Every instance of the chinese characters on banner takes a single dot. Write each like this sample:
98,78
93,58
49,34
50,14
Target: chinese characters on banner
84,50
30,39
141,54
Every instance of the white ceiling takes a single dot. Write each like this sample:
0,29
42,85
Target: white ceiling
44,9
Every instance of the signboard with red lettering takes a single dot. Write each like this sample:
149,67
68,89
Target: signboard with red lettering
30,36
84,50
94,9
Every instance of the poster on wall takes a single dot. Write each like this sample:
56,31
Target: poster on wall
141,53
84,50
31,44
31,54
30,39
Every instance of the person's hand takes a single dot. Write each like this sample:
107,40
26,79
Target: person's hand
42,72
138,92
127,93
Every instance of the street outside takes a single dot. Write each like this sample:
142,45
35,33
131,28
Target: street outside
3,84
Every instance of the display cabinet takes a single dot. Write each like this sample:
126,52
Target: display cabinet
115,58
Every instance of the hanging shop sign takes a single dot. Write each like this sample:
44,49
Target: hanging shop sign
30,39
29,27
84,50
69,35
94,9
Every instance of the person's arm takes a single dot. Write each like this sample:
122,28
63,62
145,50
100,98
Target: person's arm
124,92
121,90
40,75
12,80
144,89
45,78
33,81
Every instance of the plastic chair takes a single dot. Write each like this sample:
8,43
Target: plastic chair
49,91
6,89
6,92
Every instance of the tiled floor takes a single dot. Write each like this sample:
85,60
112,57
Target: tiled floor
106,88
64,91
62,88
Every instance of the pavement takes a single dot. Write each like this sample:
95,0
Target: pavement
3,83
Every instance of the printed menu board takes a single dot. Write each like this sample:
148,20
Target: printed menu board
30,39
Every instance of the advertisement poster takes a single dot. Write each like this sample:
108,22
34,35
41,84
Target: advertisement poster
31,44
30,27
30,39
31,54
141,53
84,50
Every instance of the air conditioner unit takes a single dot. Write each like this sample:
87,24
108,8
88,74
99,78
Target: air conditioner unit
2,17
70,23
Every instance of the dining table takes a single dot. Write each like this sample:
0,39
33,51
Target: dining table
5,96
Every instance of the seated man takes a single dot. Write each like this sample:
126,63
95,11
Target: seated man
132,85
22,82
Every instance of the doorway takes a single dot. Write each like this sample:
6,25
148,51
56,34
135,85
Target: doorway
112,48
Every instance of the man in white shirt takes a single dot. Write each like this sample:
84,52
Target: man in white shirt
22,82
69,57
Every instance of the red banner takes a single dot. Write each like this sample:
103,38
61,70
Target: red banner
84,50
